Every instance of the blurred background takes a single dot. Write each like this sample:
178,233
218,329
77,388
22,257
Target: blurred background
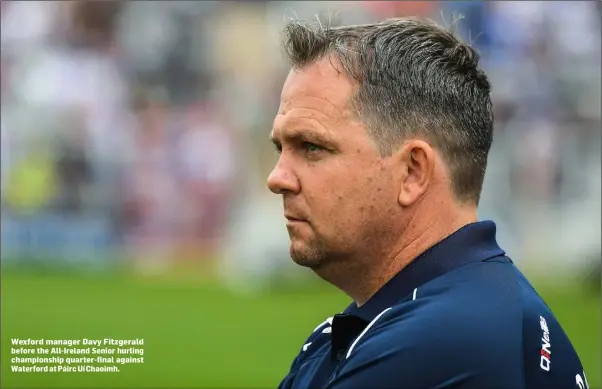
134,146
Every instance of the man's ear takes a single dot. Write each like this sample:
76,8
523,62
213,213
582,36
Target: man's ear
417,161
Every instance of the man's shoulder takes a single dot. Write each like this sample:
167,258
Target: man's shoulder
495,281
451,333
471,312
485,319
495,287
477,307
490,299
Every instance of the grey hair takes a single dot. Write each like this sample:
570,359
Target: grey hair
414,79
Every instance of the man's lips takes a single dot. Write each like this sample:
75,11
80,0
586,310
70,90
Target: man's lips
293,218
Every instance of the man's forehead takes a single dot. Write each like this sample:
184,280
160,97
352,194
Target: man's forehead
318,85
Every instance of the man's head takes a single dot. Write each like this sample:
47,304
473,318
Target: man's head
379,126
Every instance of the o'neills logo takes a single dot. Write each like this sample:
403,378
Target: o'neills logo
545,360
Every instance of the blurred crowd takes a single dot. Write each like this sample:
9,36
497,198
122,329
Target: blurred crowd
142,126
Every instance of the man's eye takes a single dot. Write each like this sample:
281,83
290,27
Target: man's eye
278,148
312,148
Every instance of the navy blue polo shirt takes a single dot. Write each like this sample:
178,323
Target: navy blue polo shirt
460,316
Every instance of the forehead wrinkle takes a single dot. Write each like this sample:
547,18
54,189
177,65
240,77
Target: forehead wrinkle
330,129
329,119
297,118
288,129
310,102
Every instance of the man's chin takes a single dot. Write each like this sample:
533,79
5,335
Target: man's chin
306,257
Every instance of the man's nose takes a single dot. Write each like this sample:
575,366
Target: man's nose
282,179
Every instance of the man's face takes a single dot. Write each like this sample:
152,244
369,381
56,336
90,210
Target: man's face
340,196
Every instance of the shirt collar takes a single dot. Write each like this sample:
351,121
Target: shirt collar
472,243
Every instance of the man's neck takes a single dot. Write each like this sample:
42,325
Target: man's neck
361,282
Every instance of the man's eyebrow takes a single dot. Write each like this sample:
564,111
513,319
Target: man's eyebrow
301,135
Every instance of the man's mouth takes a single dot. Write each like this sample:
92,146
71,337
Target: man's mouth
293,218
